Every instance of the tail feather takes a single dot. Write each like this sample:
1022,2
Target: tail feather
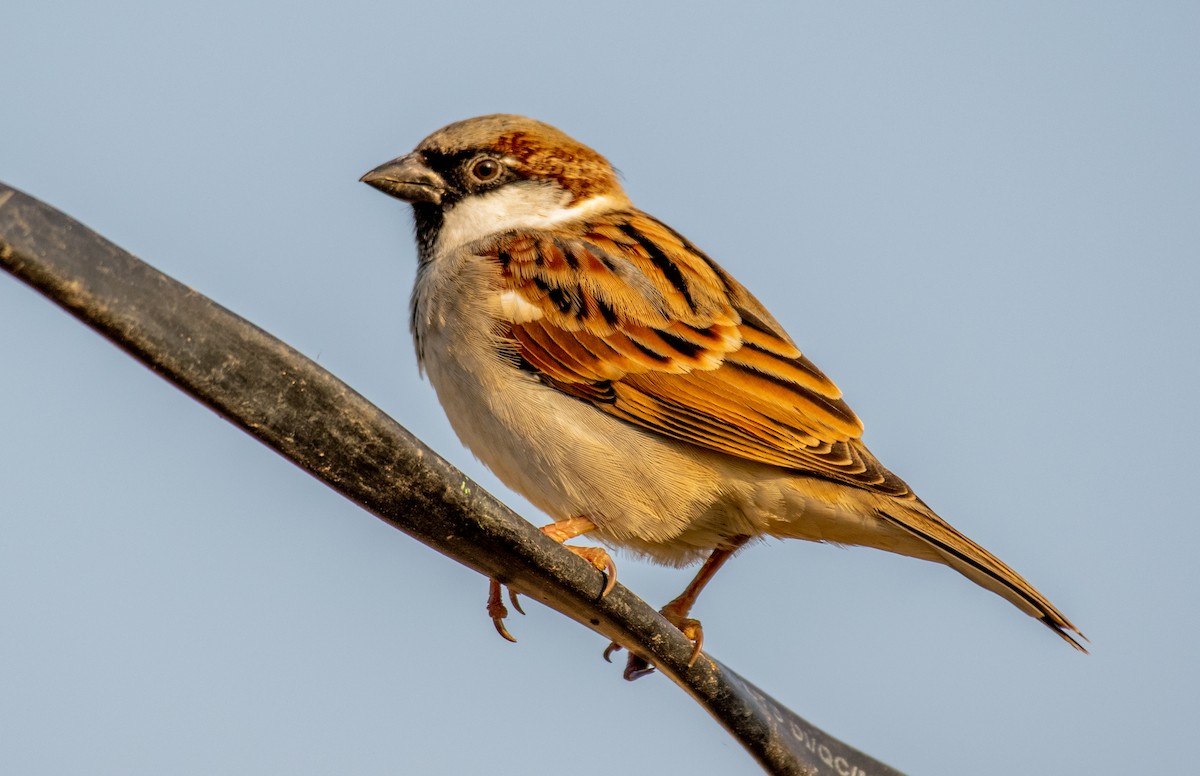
983,568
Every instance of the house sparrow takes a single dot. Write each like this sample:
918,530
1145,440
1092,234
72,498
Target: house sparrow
608,370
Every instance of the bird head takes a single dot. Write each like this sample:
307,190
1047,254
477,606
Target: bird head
496,173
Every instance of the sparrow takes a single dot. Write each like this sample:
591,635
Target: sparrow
607,369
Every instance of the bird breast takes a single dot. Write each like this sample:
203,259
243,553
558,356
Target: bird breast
569,460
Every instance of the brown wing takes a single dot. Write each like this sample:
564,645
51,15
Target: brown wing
628,315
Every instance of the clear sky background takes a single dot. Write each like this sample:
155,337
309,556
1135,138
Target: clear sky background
980,220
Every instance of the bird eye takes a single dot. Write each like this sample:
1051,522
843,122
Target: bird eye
485,170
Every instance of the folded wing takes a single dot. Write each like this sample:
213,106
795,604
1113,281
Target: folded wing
630,316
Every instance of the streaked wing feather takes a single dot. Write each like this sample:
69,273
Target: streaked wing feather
631,317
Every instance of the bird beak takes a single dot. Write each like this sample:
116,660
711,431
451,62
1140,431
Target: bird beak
407,178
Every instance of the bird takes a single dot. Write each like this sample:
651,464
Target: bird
606,368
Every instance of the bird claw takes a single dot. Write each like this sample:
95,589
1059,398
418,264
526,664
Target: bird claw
499,623
695,634
636,667
676,613
497,610
602,561
563,530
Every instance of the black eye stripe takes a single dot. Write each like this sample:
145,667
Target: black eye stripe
456,167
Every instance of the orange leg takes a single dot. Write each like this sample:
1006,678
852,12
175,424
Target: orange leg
677,611
559,532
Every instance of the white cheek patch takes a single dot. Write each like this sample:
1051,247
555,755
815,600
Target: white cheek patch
515,309
519,205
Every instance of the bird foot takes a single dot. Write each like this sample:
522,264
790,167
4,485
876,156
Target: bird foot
602,561
498,611
559,532
636,667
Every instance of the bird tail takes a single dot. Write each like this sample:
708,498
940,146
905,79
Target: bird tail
981,567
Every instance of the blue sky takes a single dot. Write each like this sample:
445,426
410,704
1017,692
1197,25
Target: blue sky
981,221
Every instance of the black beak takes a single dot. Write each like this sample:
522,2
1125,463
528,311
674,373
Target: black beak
407,178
